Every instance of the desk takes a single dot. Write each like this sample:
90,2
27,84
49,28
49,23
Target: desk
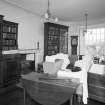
49,90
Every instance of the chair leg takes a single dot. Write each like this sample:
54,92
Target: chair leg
71,100
24,96
79,98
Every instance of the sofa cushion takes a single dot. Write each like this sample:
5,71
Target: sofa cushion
52,67
65,58
62,56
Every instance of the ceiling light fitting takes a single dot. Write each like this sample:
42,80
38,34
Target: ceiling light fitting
47,17
86,14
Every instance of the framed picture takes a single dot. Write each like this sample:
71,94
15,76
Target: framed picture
74,40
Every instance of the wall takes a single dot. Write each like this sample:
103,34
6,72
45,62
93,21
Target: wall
30,29
74,30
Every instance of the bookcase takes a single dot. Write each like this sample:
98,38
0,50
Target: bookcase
9,35
55,38
9,63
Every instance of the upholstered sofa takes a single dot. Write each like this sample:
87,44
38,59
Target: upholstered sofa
55,62
59,68
96,81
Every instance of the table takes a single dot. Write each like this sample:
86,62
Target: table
49,89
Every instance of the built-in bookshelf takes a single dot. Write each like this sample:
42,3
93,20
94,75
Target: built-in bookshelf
9,35
55,38
9,63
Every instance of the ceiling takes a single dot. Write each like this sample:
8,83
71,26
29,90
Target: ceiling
65,10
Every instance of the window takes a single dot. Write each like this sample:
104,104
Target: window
95,36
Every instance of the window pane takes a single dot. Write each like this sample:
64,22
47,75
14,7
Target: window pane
95,36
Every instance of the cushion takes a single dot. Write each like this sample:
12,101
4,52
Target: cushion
62,56
50,58
52,67
65,58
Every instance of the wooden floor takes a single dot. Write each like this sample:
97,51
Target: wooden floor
15,97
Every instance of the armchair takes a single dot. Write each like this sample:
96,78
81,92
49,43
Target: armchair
55,62
52,67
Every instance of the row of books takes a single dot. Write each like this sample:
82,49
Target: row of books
9,29
64,34
9,36
50,37
63,48
64,51
9,42
57,33
53,42
62,29
53,33
52,52
61,41
9,48
53,28
64,41
53,47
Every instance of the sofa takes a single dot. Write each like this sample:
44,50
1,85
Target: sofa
96,80
59,68
55,62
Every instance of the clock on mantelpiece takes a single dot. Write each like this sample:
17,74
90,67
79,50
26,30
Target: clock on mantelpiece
74,44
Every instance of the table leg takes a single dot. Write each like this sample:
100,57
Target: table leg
24,96
71,100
